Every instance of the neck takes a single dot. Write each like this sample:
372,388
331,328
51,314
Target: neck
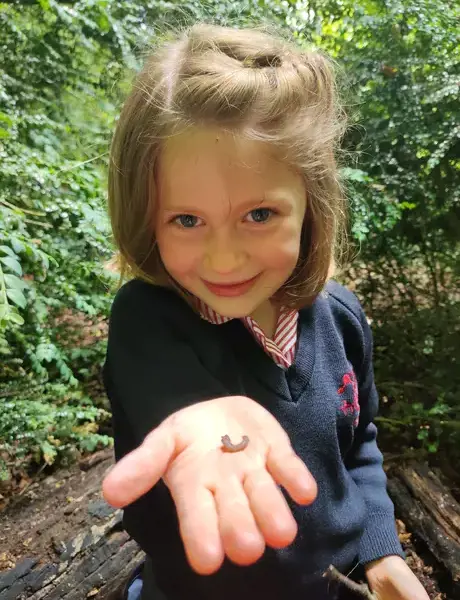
266,316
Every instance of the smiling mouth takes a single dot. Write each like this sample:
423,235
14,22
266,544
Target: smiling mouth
231,289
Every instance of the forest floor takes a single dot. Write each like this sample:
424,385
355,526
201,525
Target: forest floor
53,505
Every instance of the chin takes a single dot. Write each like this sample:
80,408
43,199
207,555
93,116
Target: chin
237,308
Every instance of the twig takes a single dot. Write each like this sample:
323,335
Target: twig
27,211
41,223
362,589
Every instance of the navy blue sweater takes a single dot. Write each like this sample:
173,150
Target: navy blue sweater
162,356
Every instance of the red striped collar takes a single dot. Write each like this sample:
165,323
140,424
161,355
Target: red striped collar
283,345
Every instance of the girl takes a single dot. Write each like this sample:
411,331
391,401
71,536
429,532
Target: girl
240,378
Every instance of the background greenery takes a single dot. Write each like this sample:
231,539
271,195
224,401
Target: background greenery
64,71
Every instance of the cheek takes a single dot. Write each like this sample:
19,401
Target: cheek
285,258
281,250
179,258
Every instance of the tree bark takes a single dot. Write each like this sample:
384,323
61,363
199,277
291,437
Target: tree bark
430,511
93,563
64,541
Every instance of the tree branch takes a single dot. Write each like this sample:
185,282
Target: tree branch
362,589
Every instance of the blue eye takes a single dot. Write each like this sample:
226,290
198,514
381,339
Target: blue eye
186,221
260,215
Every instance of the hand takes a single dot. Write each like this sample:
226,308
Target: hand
227,503
390,578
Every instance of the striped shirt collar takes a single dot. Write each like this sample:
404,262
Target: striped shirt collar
283,345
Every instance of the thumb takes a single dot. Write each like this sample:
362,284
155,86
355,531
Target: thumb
137,472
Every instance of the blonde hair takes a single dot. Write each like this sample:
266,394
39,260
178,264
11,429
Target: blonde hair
248,82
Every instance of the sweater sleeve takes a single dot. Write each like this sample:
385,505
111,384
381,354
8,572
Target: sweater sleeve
365,462
151,368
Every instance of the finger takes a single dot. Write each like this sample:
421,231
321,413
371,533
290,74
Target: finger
288,470
270,509
137,472
243,543
198,522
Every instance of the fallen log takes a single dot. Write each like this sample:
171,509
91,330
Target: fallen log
429,510
66,543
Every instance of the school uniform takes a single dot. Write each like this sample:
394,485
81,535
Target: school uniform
315,377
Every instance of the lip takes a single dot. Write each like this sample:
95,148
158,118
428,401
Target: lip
231,290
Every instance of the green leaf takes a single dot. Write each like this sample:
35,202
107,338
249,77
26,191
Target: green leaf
45,261
12,264
15,317
4,118
354,174
46,351
17,297
433,447
7,250
49,452
18,245
15,283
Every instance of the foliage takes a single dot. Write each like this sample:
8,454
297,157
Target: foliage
46,421
401,64
65,70
417,365
54,120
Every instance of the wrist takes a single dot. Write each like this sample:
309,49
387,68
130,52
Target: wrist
392,559
382,568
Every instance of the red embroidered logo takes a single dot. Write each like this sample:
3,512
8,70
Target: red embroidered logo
350,407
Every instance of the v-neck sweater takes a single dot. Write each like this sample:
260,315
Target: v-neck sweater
162,356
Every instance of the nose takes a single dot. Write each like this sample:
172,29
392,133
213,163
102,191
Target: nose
224,255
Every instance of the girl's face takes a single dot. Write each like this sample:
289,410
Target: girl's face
228,219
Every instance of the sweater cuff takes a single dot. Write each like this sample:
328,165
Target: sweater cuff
380,539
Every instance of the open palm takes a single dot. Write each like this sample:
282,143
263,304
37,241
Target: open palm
227,503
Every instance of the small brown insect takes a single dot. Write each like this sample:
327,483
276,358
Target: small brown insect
228,446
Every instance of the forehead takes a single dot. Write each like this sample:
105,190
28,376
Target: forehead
205,163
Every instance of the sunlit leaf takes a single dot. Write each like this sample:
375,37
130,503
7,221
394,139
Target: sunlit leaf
17,297
12,263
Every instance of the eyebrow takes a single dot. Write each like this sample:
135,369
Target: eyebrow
180,209
277,197
283,197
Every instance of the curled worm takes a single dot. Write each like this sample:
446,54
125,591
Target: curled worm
230,447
